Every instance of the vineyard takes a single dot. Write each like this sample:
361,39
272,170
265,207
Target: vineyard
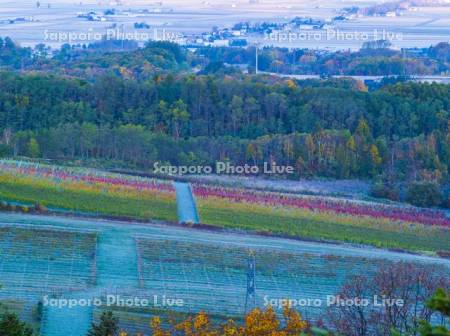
212,277
308,217
38,261
324,204
85,190
38,250
206,270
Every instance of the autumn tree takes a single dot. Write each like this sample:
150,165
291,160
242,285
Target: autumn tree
33,148
412,284
256,323
176,116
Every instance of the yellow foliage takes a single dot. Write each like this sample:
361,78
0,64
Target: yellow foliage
294,322
257,323
155,324
375,155
291,84
360,86
201,321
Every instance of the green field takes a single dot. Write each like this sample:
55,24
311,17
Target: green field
299,223
91,200
326,226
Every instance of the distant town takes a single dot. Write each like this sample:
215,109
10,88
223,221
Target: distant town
158,21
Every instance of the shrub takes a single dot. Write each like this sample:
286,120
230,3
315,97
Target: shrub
383,190
40,208
5,150
23,208
424,194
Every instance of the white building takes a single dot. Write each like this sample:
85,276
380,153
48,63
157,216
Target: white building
220,43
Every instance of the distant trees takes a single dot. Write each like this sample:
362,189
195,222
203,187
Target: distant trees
334,129
217,106
441,51
126,59
424,194
116,57
375,58
12,55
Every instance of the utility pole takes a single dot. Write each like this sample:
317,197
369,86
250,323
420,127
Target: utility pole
123,36
250,299
293,59
256,58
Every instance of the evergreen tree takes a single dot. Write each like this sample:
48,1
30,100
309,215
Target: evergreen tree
10,325
108,326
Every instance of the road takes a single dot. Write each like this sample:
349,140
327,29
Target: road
417,78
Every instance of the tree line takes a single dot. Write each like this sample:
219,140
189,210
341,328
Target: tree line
127,59
434,60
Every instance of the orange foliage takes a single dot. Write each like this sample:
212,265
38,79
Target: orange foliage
257,323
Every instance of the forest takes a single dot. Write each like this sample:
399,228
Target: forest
332,129
131,115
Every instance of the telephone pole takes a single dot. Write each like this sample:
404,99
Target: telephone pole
250,299
256,58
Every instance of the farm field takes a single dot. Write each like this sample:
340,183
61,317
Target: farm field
326,226
206,270
305,217
36,260
88,193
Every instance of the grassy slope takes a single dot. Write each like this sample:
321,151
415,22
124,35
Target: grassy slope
290,222
161,208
